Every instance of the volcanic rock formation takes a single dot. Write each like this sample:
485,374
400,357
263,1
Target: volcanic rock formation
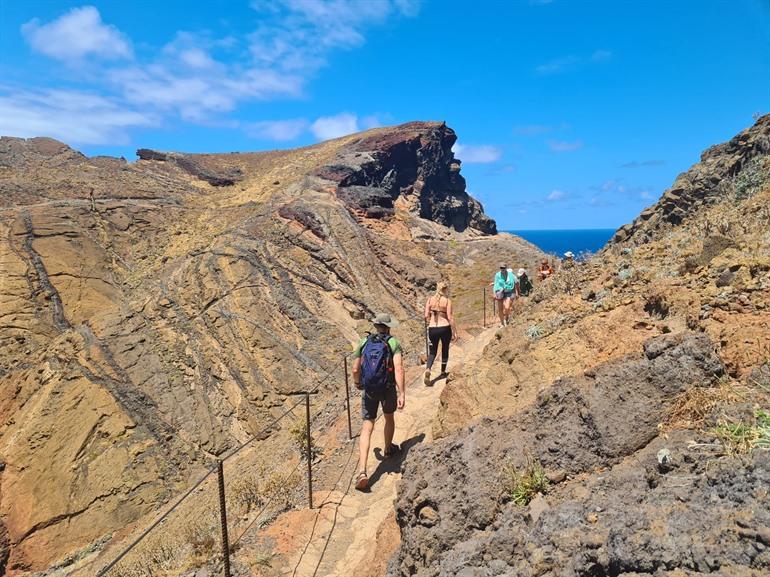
157,313
640,383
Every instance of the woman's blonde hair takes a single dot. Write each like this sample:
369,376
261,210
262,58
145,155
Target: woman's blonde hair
442,290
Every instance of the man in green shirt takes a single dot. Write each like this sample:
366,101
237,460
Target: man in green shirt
391,398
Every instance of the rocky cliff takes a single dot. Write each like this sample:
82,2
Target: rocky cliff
156,313
724,170
629,401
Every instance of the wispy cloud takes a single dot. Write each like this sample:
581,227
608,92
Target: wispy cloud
477,153
601,56
572,62
538,129
328,127
615,187
498,170
643,163
556,195
323,128
77,34
565,146
558,65
72,116
278,130
197,77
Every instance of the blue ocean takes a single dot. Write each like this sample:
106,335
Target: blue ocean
579,241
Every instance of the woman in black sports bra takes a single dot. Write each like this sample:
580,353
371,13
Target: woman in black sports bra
441,327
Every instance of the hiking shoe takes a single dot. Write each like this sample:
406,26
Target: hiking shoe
392,451
426,378
362,481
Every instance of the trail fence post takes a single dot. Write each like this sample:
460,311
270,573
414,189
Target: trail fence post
223,518
309,452
347,397
484,299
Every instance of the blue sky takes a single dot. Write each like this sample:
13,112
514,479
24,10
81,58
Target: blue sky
570,114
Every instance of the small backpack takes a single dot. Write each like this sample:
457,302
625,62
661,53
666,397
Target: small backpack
376,363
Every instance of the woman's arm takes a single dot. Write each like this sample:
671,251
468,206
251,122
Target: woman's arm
451,318
427,310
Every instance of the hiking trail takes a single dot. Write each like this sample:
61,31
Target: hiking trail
341,535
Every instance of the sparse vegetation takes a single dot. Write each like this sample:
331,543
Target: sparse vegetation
521,485
752,178
533,332
693,408
741,437
301,438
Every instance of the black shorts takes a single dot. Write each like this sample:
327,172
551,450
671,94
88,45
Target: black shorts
370,403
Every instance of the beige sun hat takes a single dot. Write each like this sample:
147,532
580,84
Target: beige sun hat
522,271
385,319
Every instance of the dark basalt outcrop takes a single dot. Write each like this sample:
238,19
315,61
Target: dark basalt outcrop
194,166
705,183
612,508
413,161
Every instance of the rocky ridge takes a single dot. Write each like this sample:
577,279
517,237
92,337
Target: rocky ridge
157,313
645,477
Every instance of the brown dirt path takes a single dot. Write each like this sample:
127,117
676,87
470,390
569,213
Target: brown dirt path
354,532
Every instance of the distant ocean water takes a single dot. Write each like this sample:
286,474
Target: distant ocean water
560,241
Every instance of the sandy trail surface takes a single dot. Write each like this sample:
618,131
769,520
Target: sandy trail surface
353,532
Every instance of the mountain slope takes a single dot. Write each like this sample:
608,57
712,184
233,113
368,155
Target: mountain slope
157,313
633,391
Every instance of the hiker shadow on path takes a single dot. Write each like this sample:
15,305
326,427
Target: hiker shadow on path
393,464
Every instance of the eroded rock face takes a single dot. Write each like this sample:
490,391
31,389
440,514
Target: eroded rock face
414,164
156,314
704,184
455,519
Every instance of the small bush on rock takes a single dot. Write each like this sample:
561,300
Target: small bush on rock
521,485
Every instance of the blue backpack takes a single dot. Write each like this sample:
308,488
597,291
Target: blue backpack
376,363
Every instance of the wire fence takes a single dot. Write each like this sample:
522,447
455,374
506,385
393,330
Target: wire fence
251,484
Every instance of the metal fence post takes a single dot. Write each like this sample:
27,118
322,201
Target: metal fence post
347,397
484,292
309,452
223,518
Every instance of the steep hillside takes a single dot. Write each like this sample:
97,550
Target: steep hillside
608,409
157,313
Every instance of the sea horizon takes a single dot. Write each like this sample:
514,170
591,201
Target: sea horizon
558,241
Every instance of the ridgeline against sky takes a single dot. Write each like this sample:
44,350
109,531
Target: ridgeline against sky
569,114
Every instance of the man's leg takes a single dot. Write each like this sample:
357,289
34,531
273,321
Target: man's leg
363,443
390,428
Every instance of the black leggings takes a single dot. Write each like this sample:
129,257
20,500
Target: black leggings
436,334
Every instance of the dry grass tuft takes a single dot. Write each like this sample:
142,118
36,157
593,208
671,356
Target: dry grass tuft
692,408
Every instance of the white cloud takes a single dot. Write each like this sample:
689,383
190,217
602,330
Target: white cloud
481,153
556,195
280,130
572,62
197,96
71,116
323,128
558,65
75,35
328,127
198,78
565,146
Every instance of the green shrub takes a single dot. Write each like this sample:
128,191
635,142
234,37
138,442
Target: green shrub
521,485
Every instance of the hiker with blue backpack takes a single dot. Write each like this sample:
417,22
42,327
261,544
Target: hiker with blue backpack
378,371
